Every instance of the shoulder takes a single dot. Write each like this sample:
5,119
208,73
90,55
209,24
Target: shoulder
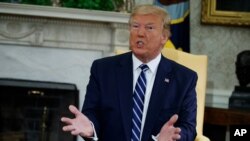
113,60
179,69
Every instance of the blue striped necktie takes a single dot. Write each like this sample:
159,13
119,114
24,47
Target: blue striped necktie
138,101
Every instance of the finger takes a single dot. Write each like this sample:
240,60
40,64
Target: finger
172,120
177,130
68,128
74,110
66,120
176,137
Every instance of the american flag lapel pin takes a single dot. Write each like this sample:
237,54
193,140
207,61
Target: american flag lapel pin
166,80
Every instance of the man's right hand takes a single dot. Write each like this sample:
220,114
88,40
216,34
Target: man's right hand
80,125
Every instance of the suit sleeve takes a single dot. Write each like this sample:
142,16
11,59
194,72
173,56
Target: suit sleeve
92,97
187,118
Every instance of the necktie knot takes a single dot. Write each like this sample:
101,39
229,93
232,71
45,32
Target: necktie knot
144,67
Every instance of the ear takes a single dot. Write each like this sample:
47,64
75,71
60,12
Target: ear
165,37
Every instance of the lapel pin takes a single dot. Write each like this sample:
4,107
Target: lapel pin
166,80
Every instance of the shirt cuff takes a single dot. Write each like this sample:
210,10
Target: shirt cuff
94,138
155,138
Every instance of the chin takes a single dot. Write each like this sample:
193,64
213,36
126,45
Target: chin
138,51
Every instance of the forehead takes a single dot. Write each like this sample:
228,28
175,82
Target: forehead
147,19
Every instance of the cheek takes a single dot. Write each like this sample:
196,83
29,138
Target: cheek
156,39
131,40
132,36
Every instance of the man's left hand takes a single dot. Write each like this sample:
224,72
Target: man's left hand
169,132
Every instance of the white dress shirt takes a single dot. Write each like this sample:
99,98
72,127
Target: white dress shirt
150,77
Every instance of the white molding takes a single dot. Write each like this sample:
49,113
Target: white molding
218,98
58,27
63,13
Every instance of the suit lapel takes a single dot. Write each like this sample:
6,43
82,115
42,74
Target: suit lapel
125,87
157,97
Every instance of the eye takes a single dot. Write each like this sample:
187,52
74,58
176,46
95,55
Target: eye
134,26
149,28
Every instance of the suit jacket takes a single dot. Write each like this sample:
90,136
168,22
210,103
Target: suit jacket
108,100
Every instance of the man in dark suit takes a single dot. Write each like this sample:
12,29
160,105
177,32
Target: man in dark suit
165,107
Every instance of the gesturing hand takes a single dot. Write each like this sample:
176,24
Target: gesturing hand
80,125
168,131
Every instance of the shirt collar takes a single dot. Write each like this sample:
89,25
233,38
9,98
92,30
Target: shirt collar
153,64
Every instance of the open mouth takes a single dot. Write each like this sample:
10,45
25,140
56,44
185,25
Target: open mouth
140,43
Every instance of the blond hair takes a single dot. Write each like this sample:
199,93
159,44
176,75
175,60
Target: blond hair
155,10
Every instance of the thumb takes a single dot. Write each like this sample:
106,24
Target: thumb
74,110
172,120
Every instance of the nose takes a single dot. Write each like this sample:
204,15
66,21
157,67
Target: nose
141,31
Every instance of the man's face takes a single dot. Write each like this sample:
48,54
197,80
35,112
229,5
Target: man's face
146,36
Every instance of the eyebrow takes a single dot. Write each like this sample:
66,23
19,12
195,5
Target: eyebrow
150,24
145,24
